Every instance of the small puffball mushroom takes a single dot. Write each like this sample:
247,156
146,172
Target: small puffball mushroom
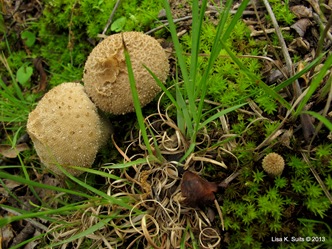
106,78
273,164
66,129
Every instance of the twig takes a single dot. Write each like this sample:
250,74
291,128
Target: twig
185,18
280,38
220,214
110,19
326,108
307,126
33,222
266,31
325,33
319,180
268,39
315,5
166,24
230,178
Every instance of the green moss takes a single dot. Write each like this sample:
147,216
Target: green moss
282,12
228,84
68,30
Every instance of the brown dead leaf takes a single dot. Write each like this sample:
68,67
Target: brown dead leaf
7,235
196,190
37,62
300,45
10,184
10,152
285,138
304,77
47,194
301,11
301,26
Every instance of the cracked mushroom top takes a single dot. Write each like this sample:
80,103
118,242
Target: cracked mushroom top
106,77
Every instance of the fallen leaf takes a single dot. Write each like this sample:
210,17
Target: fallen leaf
301,11
196,190
7,235
10,152
301,26
37,62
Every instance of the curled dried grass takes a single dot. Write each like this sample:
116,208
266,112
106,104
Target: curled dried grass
158,218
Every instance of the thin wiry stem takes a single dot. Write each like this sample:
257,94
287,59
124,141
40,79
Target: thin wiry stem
110,19
307,126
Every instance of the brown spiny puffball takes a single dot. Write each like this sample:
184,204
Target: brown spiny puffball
66,128
273,164
106,77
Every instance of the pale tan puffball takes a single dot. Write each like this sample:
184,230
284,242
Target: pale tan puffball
106,76
66,128
273,164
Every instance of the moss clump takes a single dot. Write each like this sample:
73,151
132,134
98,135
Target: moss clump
66,42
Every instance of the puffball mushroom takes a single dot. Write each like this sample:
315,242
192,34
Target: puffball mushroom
66,128
273,164
106,78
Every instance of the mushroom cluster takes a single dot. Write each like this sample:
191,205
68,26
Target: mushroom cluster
106,78
66,128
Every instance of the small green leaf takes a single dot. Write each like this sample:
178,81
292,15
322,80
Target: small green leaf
118,24
23,74
29,38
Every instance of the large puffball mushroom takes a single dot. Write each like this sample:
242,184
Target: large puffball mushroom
106,76
273,164
66,129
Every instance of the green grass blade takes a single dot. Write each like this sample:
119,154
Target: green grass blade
42,214
237,16
20,245
315,83
321,118
127,164
304,221
84,233
14,82
163,88
197,21
259,82
22,180
118,201
97,172
198,16
219,114
13,109
136,101
187,118
27,177
216,48
183,117
176,42
188,152
290,80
